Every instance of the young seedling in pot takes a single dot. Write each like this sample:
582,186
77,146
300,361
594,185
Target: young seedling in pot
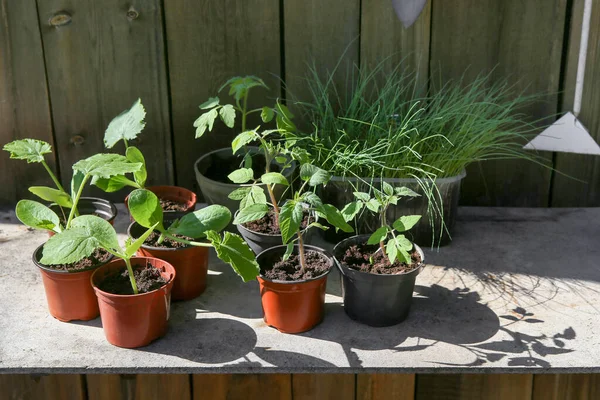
392,242
204,224
39,216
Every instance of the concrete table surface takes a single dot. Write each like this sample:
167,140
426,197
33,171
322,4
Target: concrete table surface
517,291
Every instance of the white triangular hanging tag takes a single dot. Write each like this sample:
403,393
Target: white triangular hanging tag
408,10
566,135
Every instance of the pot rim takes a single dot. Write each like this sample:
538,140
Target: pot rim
269,235
448,179
129,296
58,271
113,208
341,266
152,247
307,247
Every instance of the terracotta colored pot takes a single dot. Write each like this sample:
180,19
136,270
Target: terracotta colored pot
89,206
191,264
134,320
291,307
69,294
173,193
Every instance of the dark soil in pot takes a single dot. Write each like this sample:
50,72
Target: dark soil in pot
290,270
147,279
268,224
368,258
167,243
170,205
219,171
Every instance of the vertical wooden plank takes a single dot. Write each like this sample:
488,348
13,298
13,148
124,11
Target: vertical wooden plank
382,37
480,386
323,386
163,387
523,41
566,387
47,387
385,386
110,386
566,191
246,387
208,42
98,64
320,31
24,107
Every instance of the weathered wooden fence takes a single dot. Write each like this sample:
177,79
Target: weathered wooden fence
67,67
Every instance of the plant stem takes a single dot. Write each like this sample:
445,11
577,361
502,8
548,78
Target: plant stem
244,112
131,277
188,242
54,179
269,187
76,201
126,145
301,253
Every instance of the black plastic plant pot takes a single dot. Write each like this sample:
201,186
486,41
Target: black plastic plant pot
88,206
374,299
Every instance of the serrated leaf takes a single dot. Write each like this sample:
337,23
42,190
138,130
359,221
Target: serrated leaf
314,175
404,191
36,215
335,218
242,175
373,205
273,178
98,228
239,86
205,121
255,196
106,165
406,222
125,126
212,218
290,219
351,210
68,246
378,236
267,114
52,195
311,199
233,250
243,139
210,103
227,113
134,155
145,208
31,150
239,193
362,196
288,251
387,188
251,213
131,246
114,183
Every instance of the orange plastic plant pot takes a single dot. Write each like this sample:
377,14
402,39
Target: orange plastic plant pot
69,295
134,320
173,193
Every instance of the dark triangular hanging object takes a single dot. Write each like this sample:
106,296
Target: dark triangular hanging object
408,10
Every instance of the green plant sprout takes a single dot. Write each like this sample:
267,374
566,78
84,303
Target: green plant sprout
205,224
33,151
39,216
125,127
392,243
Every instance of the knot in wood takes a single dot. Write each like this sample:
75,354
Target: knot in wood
77,140
60,19
132,13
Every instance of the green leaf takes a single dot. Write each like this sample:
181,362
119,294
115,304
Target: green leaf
288,251
125,126
317,225
212,218
314,175
255,196
311,199
281,160
52,195
335,218
393,200
114,183
373,205
38,216
106,165
239,193
210,103
132,246
387,188
241,175
403,243
136,156
145,208
351,210
378,236
239,86
227,113
404,191
205,121
272,178
251,213
362,196
284,118
76,182
290,218
267,114
98,228
391,250
406,222
404,257
31,150
243,139
233,250
69,246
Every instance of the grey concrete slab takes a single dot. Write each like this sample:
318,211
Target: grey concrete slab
517,291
